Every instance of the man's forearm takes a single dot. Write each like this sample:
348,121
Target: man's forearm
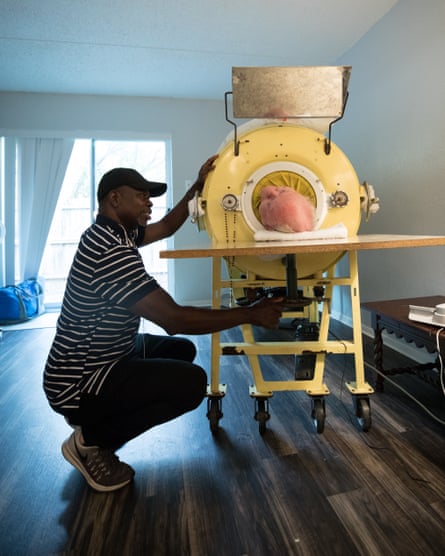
198,320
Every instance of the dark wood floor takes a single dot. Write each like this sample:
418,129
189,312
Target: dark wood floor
291,491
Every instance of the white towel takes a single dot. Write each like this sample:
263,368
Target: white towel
339,231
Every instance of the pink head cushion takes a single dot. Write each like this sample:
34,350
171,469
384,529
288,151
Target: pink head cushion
285,210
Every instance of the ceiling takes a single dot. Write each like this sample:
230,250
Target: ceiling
169,48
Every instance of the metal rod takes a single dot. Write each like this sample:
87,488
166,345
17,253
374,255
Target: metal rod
291,278
327,142
235,128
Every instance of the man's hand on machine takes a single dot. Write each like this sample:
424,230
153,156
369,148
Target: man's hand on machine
267,312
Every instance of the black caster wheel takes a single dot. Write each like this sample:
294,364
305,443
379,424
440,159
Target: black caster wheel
262,414
318,413
363,412
214,413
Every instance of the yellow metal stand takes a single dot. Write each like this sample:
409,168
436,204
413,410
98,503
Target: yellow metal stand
315,388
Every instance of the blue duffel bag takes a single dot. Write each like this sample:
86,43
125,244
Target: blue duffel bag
21,302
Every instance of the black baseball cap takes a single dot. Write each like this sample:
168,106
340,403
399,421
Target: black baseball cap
127,176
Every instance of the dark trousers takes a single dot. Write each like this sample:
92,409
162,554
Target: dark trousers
160,382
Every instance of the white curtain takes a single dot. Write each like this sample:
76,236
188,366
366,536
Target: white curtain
42,164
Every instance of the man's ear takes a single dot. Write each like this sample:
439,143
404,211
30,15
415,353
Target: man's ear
114,197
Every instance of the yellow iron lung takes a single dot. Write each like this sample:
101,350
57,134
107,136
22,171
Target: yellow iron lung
280,154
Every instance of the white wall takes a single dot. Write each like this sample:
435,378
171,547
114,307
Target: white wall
196,129
393,133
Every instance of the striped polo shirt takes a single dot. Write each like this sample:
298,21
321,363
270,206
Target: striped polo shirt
95,329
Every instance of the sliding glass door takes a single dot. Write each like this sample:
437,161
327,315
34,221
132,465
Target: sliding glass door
76,205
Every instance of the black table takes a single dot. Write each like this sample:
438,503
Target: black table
392,316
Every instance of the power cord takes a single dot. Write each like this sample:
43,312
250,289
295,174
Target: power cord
363,437
420,404
348,413
342,390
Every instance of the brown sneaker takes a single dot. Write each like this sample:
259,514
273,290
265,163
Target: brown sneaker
101,467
